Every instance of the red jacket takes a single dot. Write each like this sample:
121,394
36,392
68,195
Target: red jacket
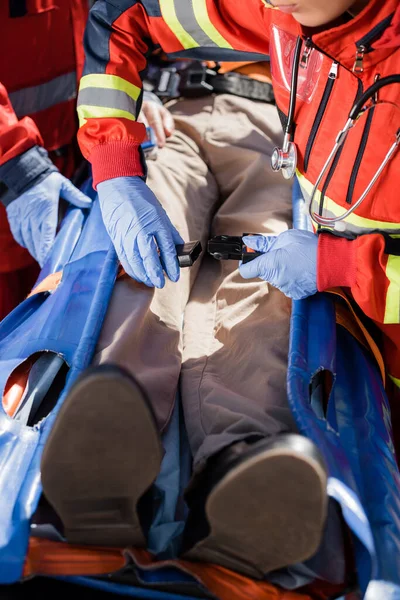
42,60
366,259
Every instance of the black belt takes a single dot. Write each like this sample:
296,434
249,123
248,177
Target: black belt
198,80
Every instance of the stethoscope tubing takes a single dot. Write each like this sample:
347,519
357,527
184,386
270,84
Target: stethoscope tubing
359,107
355,113
370,93
289,130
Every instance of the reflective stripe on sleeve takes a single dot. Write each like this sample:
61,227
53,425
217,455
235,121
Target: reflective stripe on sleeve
392,312
209,30
106,96
112,82
101,112
31,100
190,22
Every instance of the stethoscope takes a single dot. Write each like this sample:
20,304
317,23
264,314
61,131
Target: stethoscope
285,159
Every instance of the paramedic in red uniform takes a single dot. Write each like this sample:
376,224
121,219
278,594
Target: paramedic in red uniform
41,45
258,496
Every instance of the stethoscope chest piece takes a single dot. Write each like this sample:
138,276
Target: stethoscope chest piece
285,160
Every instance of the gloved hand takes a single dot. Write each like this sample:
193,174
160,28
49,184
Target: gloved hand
33,216
289,262
137,224
155,115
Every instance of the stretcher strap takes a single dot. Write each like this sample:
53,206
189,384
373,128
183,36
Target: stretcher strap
49,558
49,284
348,318
16,385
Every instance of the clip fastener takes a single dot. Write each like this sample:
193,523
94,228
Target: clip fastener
226,247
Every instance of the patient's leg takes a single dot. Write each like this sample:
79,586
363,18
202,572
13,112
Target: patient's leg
142,330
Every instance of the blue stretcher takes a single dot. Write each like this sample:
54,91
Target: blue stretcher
353,430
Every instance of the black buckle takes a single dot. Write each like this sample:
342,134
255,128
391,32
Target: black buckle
227,247
196,81
168,82
224,247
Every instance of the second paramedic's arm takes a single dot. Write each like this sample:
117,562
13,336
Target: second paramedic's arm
22,158
369,266
110,95
32,181
117,40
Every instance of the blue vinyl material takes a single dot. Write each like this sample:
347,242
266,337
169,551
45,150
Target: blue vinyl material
43,323
353,432
354,435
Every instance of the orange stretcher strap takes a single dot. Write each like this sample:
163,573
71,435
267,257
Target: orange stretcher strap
49,284
15,386
48,558
229,585
348,318
255,70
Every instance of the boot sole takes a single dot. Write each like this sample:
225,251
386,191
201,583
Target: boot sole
103,453
265,514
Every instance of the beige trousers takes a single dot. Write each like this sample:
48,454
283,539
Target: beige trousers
225,339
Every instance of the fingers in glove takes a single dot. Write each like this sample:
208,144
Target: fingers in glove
134,267
166,244
258,267
15,221
27,238
260,243
44,242
74,196
151,260
176,236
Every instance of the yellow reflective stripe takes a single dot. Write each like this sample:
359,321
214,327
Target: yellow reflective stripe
169,15
97,112
392,312
201,14
395,380
337,210
110,82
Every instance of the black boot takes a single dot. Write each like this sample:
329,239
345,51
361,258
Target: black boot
258,507
103,453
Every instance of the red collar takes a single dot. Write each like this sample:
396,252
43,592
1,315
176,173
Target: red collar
376,27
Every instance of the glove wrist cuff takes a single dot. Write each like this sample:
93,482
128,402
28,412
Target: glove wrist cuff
116,159
336,262
24,171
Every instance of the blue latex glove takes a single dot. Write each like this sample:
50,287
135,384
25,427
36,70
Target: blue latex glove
139,227
33,216
289,262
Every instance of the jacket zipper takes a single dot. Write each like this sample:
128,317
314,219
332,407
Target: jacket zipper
306,53
364,46
333,73
333,167
360,155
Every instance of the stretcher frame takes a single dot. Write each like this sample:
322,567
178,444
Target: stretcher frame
352,425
